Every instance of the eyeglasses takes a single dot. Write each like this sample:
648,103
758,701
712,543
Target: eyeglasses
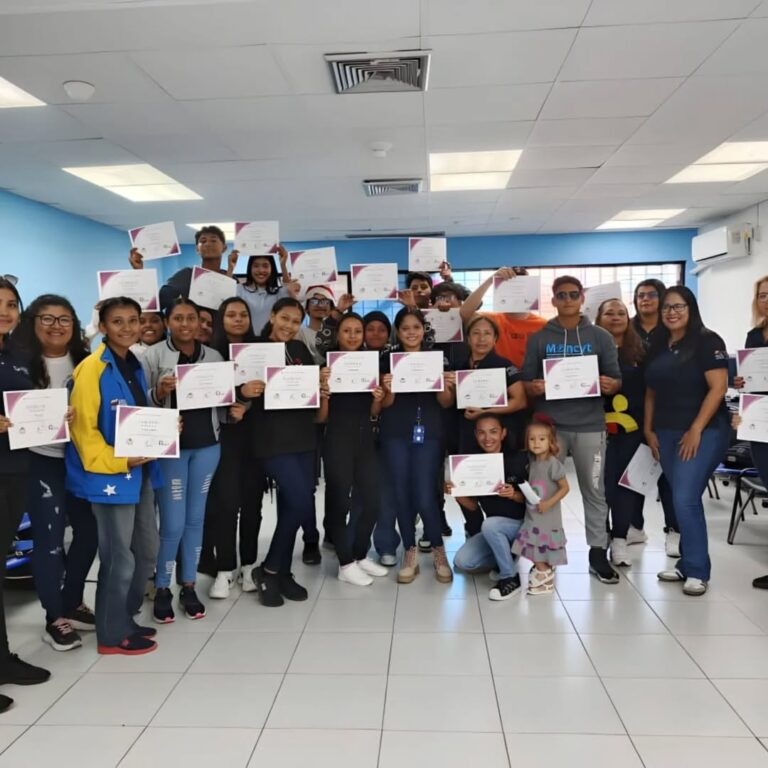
572,295
319,302
676,308
647,295
762,296
65,321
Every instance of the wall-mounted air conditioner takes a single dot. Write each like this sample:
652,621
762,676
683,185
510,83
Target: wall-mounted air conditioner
721,244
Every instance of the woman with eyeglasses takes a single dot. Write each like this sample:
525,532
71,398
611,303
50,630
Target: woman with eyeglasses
758,337
686,423
50,337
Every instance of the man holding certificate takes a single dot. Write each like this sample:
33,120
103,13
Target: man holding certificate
588,367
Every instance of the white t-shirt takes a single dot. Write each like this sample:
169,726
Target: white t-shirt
60,371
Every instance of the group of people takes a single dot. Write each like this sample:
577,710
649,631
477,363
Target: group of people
663,378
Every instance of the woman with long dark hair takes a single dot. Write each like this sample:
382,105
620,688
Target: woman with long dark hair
50,337
262,287
686,423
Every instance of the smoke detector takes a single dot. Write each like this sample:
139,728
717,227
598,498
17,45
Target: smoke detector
379,72
380,148
79,90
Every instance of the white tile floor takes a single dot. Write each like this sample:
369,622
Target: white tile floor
596,676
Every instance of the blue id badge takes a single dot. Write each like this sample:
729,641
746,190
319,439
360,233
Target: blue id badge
419,433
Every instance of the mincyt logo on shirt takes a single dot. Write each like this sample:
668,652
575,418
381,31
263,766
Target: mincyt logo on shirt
562,350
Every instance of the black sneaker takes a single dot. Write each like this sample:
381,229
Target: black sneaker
139,631
600,567
425,545
269,587
189,601
162,612
505,588
446,529
131,646
82,618
311,555
14,671
289,589
761,582
5,702
61,636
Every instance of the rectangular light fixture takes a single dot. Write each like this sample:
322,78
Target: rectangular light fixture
139,182
227,227
473,162
722,172
647,214
737,152
12,97
456,182
637,224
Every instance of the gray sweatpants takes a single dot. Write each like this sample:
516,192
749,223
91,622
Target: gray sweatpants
588,452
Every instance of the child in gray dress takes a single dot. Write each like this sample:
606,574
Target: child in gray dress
541,538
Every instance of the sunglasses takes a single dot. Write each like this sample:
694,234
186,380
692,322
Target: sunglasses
647,295
572,295
319,302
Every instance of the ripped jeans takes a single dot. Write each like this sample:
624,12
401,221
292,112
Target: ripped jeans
182,510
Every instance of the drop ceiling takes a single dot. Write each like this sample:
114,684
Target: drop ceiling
606,98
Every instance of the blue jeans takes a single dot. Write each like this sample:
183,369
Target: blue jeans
412,469
59,578
491,548
294,474
127,555
182,511
688,480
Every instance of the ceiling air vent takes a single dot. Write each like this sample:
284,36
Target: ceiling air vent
379,72
379,187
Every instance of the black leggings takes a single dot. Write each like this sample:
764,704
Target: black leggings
13,495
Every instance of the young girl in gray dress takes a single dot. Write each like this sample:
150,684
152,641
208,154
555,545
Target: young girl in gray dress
541,538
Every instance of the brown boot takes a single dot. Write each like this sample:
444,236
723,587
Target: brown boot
410,567
443,572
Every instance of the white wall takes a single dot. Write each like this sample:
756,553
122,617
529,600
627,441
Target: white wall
725,290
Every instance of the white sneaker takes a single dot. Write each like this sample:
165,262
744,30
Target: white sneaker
388,560
222,584
619,553
671,575
246,579
694,587
672,544
636,536
372,569
354,574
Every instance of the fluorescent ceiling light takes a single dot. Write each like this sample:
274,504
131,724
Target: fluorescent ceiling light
697,174
227,227
473,162
648,214
737,152
638,224
454,182
139,182
11,96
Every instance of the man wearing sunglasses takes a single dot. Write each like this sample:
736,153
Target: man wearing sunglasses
580,421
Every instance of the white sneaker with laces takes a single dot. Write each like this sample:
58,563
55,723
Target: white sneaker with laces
246,579
671,575
636,536
354,574
672,544
221,585
694,587
619,553
388,560
371,568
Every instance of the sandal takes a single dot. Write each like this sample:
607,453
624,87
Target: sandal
541,582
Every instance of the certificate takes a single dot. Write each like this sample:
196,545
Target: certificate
257,238
338,288
642,473
292,386
147,432
426,254
374,282
476,474
316,266
754,418
416,371
251,359
38,417
447,325
353,371
205,385
155,241
137,284
520,294
569,377
481,388
209,289
752,366
595,296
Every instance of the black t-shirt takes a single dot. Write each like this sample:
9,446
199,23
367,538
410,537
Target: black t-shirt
755,339
633,390
14,375
515,472
680,385
647,337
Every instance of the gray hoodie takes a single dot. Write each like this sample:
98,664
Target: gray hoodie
553,341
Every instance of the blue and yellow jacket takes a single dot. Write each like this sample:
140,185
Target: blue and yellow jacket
93,471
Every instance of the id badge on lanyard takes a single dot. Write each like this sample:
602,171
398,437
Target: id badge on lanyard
419,431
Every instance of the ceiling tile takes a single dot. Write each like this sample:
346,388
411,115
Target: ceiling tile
561,177
742,53
472,137
43,124
364,109
595,191
174,148
613,12
75,152
608,98
761,10
564,157
222,116
610,175
653,155
583,132
103,119
484,104
652,50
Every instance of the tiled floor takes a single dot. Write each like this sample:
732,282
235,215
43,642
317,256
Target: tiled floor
596,676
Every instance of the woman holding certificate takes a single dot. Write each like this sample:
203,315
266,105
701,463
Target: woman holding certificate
187,479
412,439
283,430
686,423
50,337
262,287
120,490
